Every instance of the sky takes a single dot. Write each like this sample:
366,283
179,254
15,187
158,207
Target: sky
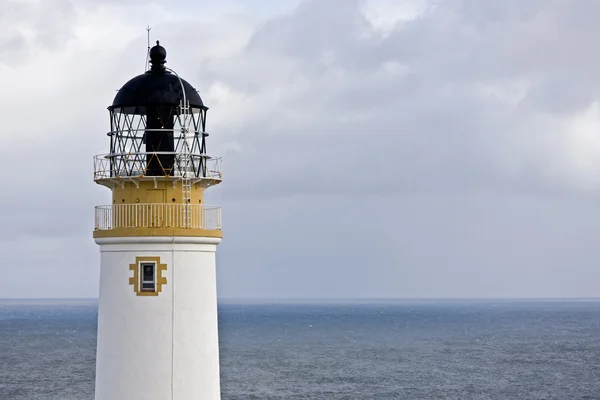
371,149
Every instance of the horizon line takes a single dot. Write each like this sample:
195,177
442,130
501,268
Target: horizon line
331,300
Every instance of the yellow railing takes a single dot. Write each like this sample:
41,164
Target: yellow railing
192,216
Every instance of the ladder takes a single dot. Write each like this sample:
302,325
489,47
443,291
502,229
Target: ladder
185,163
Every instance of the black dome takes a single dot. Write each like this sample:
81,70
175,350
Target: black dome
157,87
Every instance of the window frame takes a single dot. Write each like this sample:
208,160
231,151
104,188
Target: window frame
142,264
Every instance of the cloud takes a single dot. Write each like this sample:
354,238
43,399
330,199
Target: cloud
30,27
385,15
454,95
407,132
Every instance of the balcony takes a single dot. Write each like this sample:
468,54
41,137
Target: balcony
179,216
195,166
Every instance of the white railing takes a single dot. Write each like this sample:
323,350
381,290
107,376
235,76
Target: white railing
121,165
157,216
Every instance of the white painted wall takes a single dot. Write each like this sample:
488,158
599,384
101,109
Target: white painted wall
161,347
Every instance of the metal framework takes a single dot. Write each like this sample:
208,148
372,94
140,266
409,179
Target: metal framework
128,145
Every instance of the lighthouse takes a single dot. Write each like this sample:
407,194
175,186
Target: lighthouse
157,312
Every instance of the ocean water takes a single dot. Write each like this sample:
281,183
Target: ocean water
395,350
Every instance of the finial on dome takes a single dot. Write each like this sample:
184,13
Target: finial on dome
158,56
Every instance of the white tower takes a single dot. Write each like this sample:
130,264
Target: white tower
157,315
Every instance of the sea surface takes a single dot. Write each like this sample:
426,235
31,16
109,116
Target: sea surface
388,350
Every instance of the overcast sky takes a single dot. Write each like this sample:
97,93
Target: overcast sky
377,148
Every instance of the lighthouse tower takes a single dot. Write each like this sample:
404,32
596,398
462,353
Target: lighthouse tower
157,315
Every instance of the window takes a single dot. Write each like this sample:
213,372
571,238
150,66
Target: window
147,279
148,276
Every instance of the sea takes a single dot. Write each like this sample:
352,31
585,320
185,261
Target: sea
418,349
